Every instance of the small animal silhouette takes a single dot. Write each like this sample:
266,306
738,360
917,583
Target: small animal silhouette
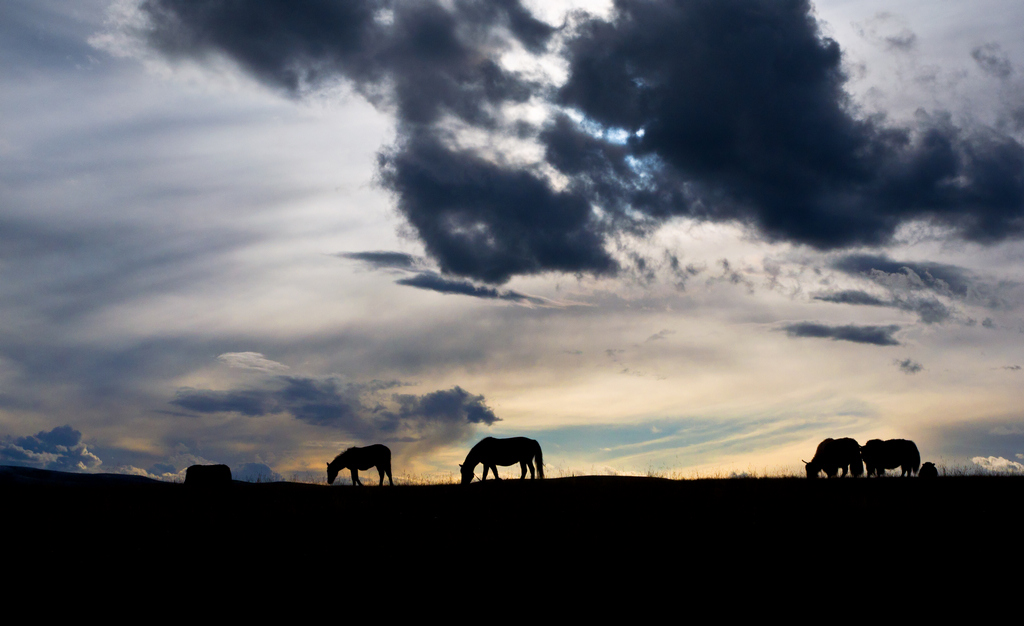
833,455
208,475
881,455
493,452
928,470
356,459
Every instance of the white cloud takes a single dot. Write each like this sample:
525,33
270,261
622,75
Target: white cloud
998,464
251,361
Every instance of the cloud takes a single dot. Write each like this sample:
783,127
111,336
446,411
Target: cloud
712,110
930,310
255,473
384,259
251,361
908,366
661,334
876,335
942,279
998,464
60,449
918,287
361,410
992,60
852,296
435,282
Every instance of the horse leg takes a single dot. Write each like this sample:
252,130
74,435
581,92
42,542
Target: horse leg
522,465
494,469
484,477
387,468
355,478
529,464
380,473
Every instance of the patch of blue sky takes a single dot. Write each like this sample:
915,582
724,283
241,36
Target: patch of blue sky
611,134
693,440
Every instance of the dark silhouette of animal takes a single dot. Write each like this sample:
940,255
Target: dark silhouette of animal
928,470
356,459
881,455
493,452
833,455
208,475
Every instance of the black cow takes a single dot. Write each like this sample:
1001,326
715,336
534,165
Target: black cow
208,475
882,455
833,455
928,471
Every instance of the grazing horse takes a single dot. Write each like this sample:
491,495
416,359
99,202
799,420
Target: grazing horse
356,459
493,452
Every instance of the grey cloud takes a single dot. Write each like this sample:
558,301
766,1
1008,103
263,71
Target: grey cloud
930,310
255,473
875,335
940,278
360,410
384,259
60,448
434,282
661,334
992,60
852,296
908,366
918,287
655,91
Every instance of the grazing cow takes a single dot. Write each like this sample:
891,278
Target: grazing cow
882,455
833,455
208,475
928,470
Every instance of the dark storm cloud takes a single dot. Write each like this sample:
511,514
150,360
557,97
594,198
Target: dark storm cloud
490,221
724,110
741,106
361,410
876,335
58,449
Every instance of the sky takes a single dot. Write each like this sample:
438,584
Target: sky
688,238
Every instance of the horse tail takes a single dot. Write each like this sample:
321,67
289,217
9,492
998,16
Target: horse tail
540,461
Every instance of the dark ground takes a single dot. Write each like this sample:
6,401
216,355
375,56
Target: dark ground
598,536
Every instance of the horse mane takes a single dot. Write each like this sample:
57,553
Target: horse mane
338,458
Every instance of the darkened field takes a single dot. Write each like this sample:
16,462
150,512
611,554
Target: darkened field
777,531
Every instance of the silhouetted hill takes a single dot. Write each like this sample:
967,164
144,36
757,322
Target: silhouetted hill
778,532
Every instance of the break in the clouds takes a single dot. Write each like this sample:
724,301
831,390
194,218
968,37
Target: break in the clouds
712,110
367,412
60,448
875,335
